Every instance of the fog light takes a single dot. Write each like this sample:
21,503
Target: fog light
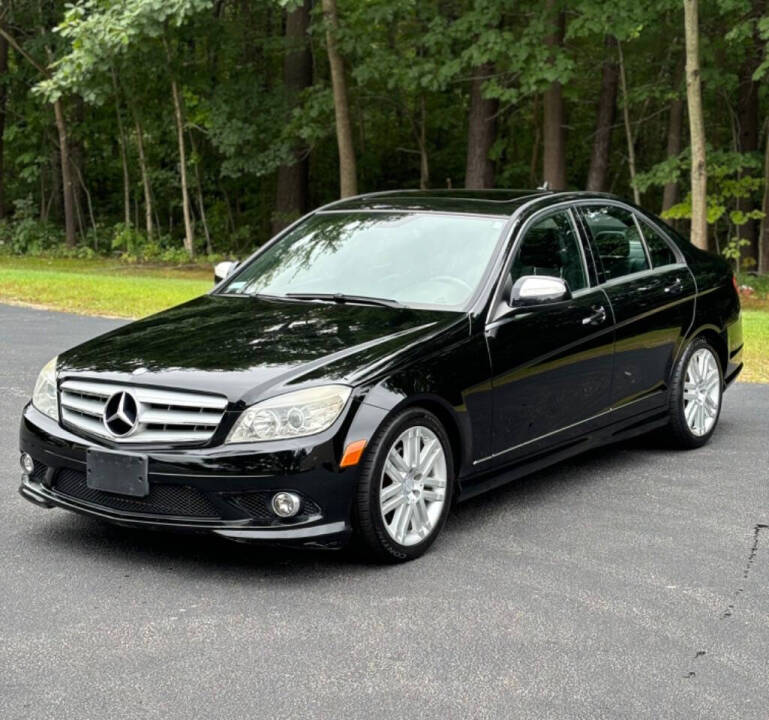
27,463
285,504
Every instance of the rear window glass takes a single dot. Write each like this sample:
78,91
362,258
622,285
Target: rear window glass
616,239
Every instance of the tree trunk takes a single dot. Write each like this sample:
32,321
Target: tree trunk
481,132
699,231
604,123
628,128
66,176
534,176
348,174
145,174
292,188
123,153
76,120
424,161
61,128
747,137
763,242
3,99
189,236
554,136
199,187
675,126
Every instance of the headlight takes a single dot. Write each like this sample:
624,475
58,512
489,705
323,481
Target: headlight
296,414
44,395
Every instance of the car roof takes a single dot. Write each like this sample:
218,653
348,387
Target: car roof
480,202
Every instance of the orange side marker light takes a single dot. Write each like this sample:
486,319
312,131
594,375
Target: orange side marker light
352,453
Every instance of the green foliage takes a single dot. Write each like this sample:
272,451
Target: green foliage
408,67
731,185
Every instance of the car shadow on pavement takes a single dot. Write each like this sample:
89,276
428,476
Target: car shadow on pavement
98,540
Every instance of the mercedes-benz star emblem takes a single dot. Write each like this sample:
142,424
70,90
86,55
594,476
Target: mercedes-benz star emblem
121,414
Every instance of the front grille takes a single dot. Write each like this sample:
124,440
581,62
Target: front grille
257,505
175,500
162,416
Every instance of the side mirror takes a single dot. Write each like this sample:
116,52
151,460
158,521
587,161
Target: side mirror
532,290
224,269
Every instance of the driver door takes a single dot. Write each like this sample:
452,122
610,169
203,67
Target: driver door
551,362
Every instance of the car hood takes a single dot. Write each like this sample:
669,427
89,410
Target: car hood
249,347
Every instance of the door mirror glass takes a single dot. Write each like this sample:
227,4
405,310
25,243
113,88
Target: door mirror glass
538,290
224,269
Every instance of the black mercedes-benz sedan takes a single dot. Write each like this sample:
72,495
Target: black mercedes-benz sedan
385,356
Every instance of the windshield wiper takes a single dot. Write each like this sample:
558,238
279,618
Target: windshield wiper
342,298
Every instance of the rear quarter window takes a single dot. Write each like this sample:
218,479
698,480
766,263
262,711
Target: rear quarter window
659,248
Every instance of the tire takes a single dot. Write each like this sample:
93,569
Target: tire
695,401
419,498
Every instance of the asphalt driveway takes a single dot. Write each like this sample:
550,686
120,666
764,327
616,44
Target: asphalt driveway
630,582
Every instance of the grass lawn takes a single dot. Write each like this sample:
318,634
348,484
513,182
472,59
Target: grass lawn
108,287
755,325
99,287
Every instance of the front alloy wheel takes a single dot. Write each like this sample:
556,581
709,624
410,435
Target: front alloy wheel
405,487
413,485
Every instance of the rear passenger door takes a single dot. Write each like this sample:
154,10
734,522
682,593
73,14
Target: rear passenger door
651,292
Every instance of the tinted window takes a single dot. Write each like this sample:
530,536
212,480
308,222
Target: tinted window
616,238
659,250
550,247
414,258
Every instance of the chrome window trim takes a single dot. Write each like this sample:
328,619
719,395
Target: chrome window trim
636,212
643,220
514,244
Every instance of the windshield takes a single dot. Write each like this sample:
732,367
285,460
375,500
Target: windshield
412,259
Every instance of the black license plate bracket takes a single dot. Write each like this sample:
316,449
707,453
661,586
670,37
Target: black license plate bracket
117,472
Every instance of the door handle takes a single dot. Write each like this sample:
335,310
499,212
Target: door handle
675,288
597,318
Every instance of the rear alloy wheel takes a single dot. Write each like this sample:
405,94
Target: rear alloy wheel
696,395
405,487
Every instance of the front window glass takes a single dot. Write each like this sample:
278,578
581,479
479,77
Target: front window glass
551,247
615,236
414,259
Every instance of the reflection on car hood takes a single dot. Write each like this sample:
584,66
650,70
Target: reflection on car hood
248,347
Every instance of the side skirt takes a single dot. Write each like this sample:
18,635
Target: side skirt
616,432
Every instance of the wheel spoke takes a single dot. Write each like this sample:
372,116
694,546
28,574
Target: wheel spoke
402,521
711,407
693,371
700,420
398,462
411,448
689,412
421,519
702,364
390,491
435,482
433,495
429,455
392,472
392,503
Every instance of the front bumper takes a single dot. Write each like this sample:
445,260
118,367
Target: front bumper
223,490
